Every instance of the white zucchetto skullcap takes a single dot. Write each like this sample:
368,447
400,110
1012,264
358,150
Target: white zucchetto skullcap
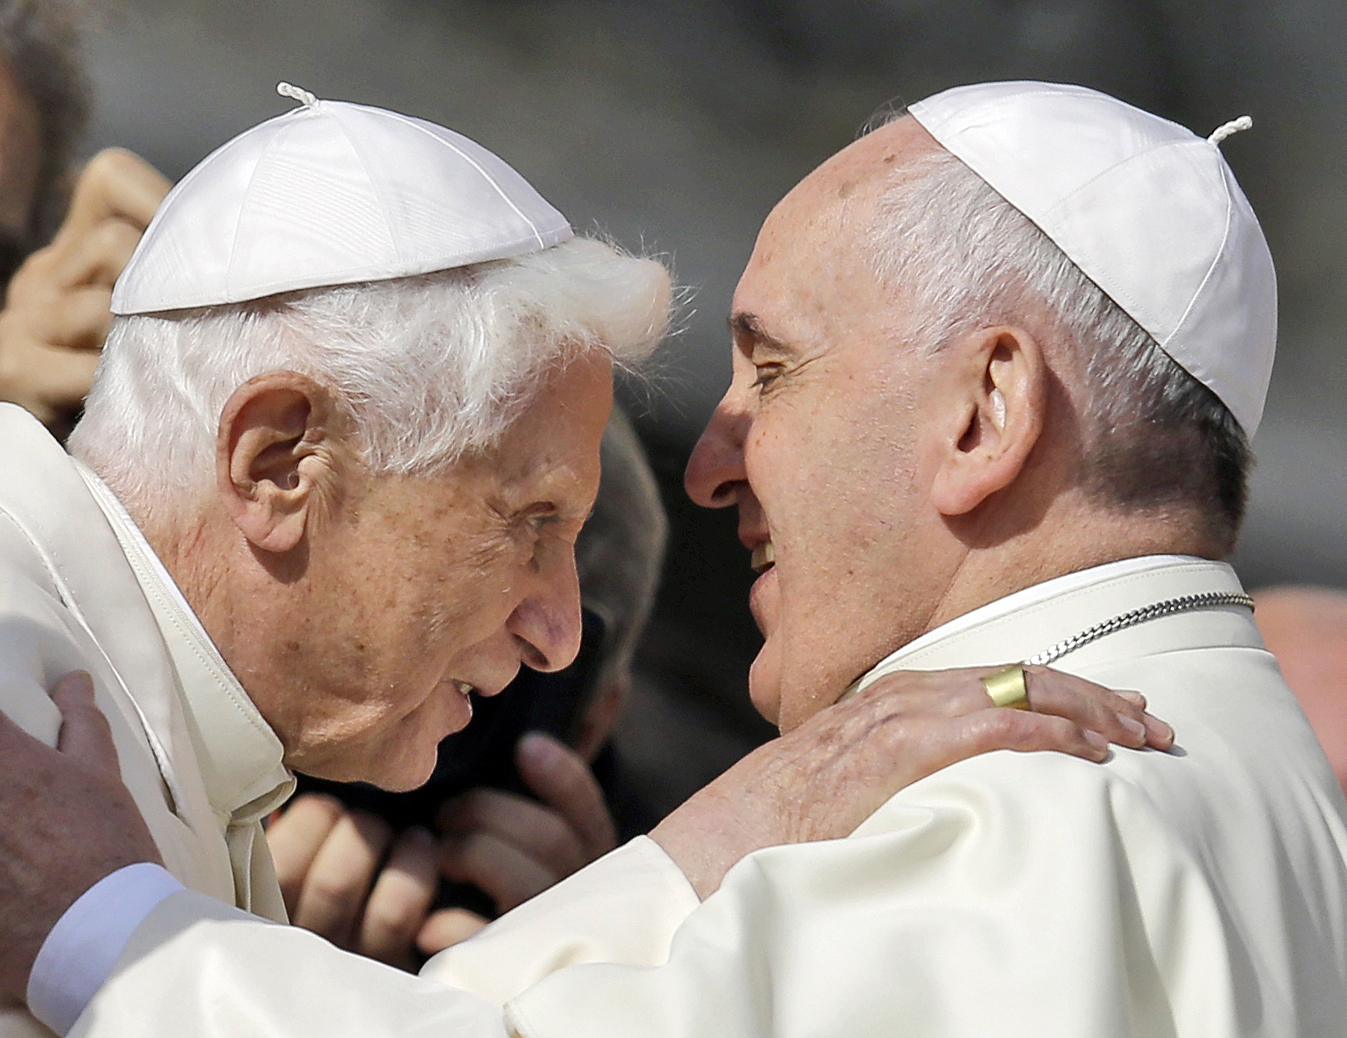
331,193
1147,210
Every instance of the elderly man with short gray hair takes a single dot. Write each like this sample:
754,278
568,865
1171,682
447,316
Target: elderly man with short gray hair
257,553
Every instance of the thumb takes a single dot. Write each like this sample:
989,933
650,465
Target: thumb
85,734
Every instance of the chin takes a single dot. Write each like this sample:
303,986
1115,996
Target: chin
404,776
393,772
764,684
408,753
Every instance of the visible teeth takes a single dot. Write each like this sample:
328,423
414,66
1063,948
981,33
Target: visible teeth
462,686
764,556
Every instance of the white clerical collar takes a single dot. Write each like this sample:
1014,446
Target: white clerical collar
1026,622
240,756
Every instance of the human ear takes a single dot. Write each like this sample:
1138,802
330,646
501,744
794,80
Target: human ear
1001,392
275,451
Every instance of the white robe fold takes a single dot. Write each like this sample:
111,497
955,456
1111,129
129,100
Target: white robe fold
80,589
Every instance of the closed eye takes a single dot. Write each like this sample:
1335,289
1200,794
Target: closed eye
540,516
766,375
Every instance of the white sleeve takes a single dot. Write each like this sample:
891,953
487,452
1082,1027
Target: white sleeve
625,908
199,967
196,966
86,942
1009,894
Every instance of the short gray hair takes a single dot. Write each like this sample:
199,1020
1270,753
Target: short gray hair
620,551
1153,435
430,368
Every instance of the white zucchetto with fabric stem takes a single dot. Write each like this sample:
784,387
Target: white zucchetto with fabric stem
331,193
1149,211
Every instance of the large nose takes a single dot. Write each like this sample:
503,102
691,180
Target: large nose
716,467
546,623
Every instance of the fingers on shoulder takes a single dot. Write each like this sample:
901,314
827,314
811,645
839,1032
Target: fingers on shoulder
1118,714
85,734
998,728
75,690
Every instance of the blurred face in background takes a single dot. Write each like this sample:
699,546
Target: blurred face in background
1306,629
20,158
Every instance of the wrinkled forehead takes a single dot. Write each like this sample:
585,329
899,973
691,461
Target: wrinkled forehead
852,179
815,246
560,427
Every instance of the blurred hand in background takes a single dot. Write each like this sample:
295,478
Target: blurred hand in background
513,848
56,313
346,875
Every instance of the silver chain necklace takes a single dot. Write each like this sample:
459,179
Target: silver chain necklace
1184,604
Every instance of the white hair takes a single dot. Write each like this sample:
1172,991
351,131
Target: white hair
963,257
430,368
969,257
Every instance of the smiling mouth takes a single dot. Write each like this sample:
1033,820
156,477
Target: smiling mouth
764,557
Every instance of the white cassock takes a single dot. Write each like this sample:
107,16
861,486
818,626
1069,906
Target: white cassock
1201,892
80,589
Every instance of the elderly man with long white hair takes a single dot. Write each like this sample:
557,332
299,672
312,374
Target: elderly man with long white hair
326,489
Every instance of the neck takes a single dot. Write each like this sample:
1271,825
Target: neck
214,570
1080,537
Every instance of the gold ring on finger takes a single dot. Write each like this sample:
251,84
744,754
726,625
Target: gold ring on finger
1006,688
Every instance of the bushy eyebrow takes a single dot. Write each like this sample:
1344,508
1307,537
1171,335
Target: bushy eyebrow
744,325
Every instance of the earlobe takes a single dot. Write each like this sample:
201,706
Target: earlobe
1001,396
274,455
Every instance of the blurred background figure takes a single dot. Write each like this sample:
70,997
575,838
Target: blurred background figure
620,555
44,106
501,819
56,304
1306,629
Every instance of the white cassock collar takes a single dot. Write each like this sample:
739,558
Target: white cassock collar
1019,625
240,756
